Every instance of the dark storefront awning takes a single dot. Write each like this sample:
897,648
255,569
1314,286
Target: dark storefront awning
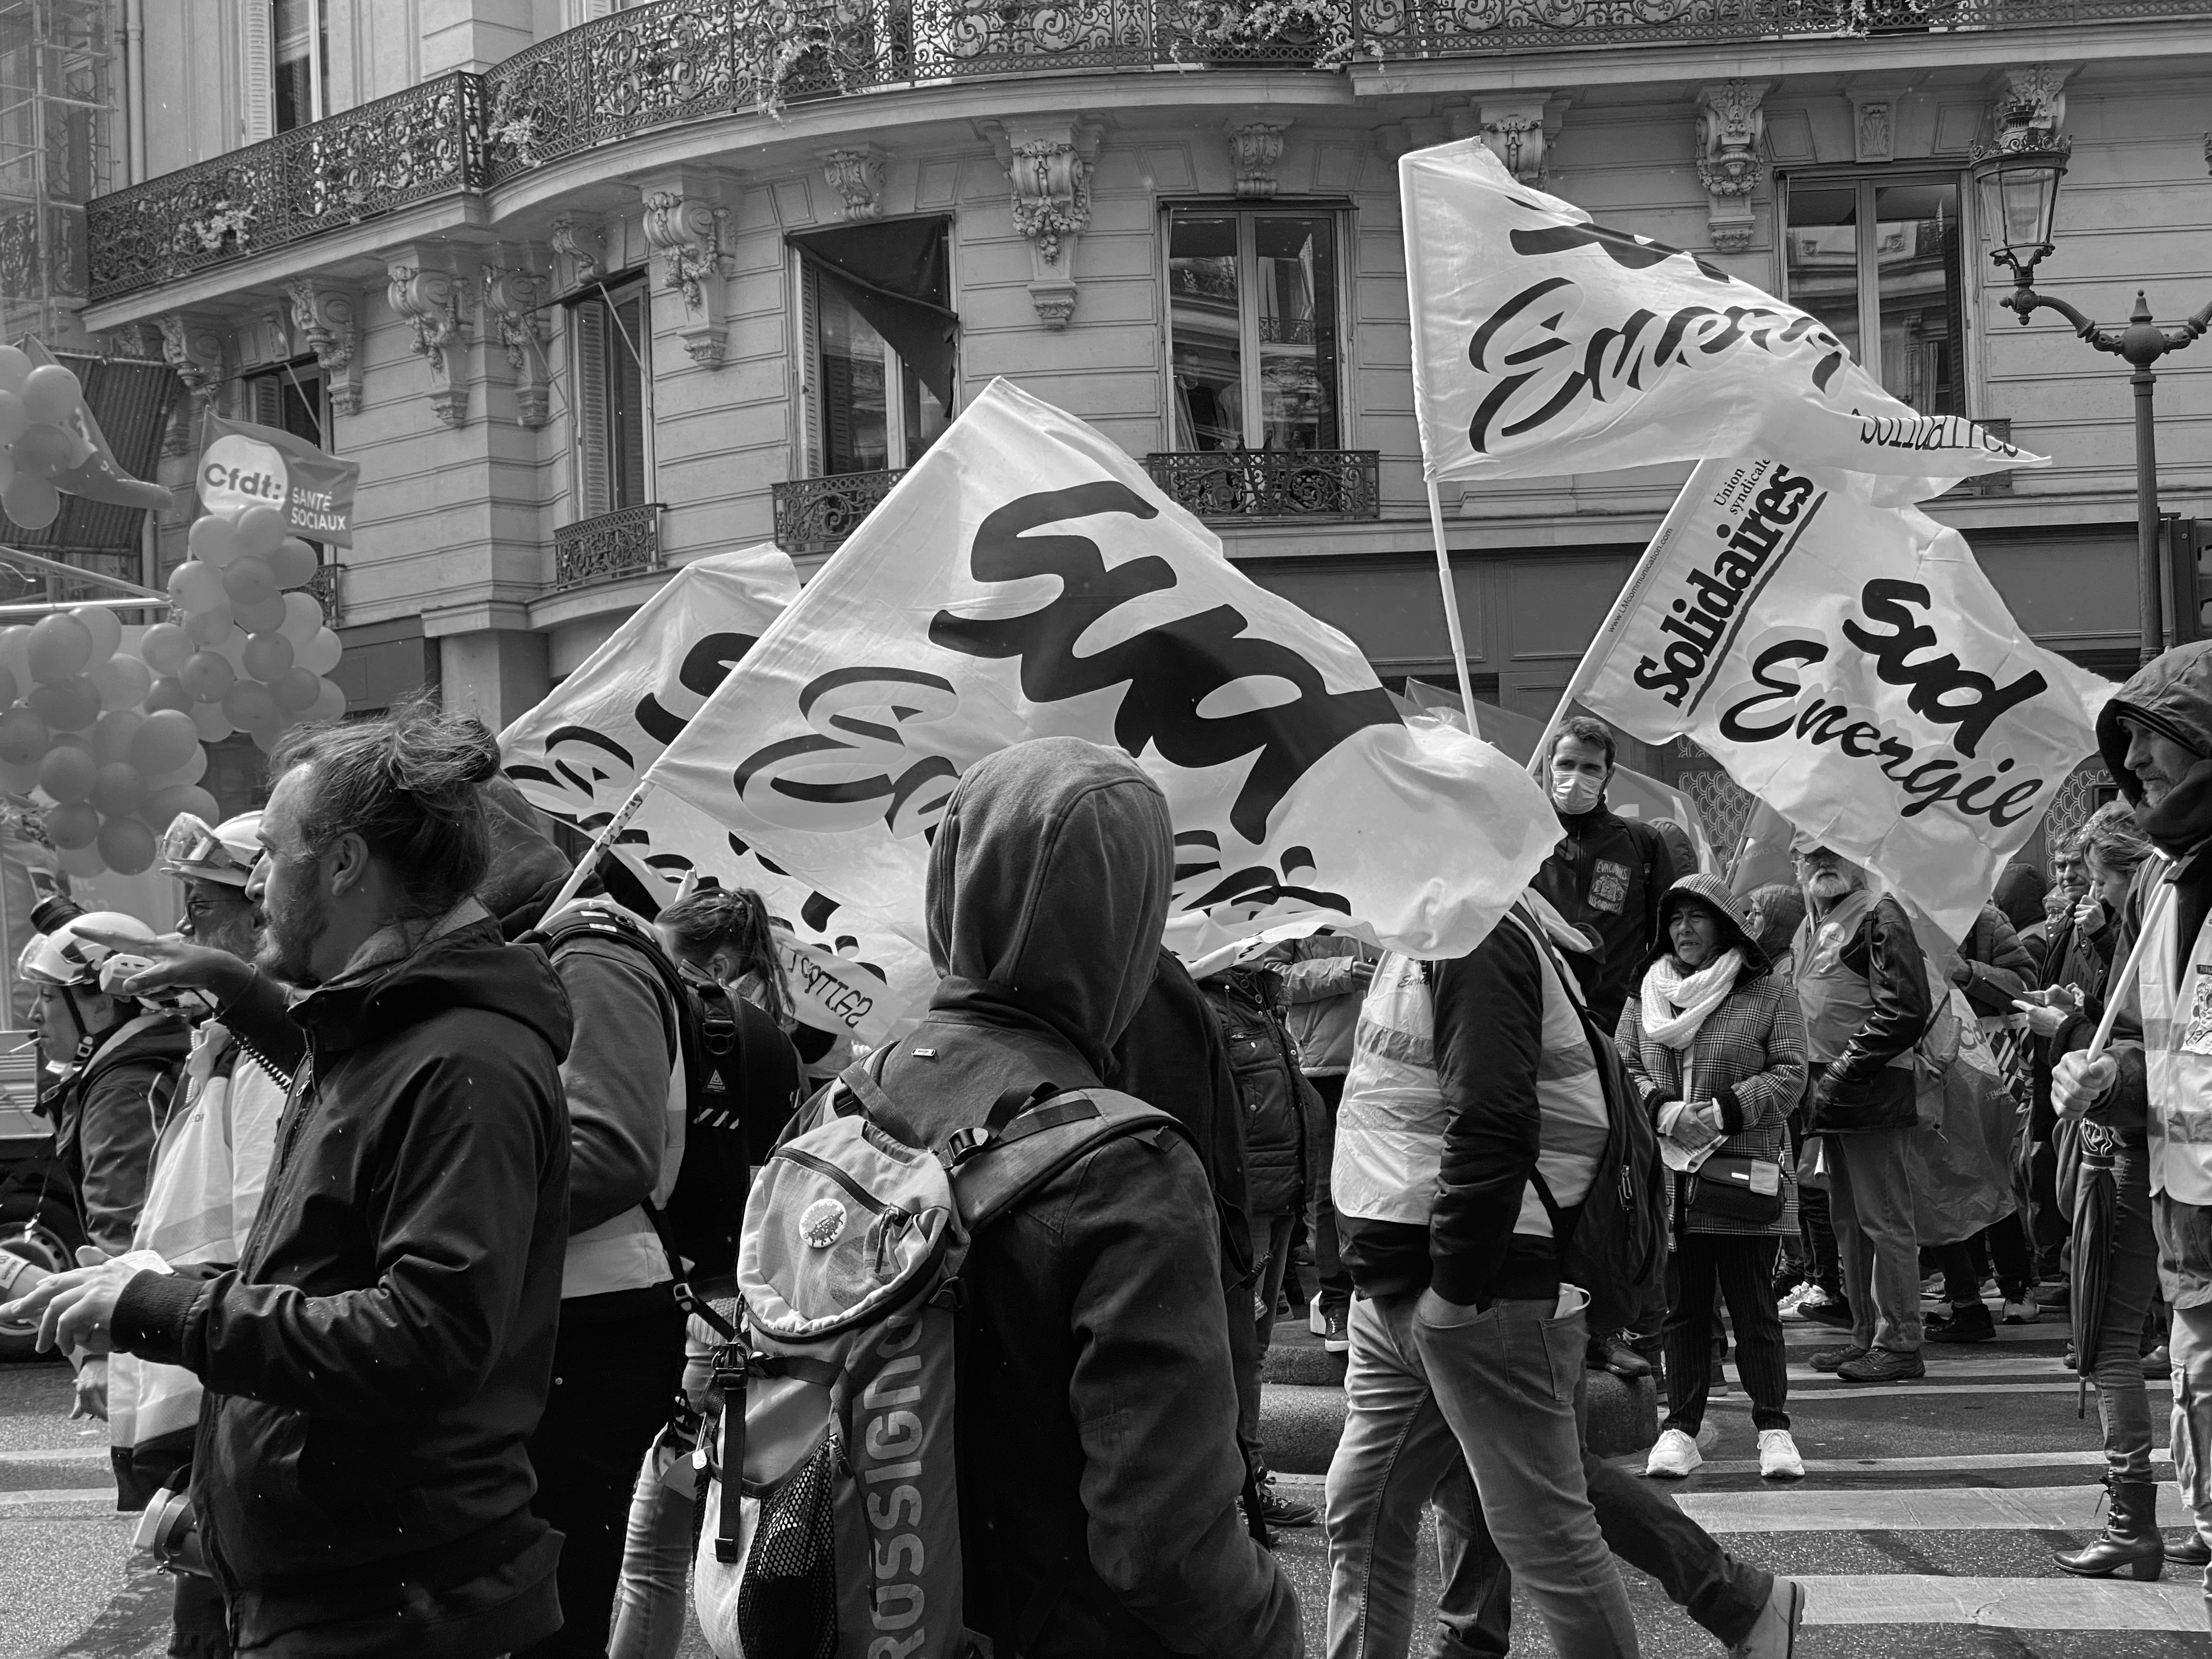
895,275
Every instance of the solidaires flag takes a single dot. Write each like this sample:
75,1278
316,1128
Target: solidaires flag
1849,664
1026,578
1546,344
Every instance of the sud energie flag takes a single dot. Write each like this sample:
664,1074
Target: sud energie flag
1849,664
1027,580
1545,344
578,754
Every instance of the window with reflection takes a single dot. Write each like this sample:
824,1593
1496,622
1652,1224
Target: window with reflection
1253,333
1881,260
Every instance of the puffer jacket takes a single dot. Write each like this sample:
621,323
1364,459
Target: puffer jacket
1099,1472
109,1113
382,1350
1999,968
1280,1112
1323,993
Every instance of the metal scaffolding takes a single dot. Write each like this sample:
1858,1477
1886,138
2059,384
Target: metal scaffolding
58,81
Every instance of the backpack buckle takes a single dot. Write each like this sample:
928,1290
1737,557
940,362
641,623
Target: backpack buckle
964,1144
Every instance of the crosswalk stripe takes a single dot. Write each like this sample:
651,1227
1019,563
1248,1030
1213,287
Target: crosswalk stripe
22,1500
2026,1367
1955,1509
63,1455
1959,1464
1892,1390
2003,1603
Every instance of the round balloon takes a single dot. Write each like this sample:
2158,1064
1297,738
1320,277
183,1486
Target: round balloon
15,419
111,738
43,449
123,682
249,578
294,561
208,628
31,500
67,706
8,689
51,393
260,529
320,654
163,744
303,615
23,737
213,540
330,704
191,771
119,790
163,804
126,846
106,633
73,823
68,774
294,690
197,586
267,655
16,652
265,617
60,649
164,647
207,674
249,704
15,369
168,693
213,724
18,780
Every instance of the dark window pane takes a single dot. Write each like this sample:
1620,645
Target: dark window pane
855,416
1822,255
1917,255
1296,285
626,405
1205,352
295,26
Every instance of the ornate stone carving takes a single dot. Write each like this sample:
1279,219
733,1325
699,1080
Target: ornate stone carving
1519,132
326,317
1256,149
431,299
1730,128
1050,168
2032,99
513,296
856,174
1874,122
582,242
193,346
684,226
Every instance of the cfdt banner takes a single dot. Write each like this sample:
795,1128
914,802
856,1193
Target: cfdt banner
1545,344
1849,664
1026,579
578,754
242,465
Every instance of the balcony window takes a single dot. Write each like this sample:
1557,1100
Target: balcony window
1879,260
301,59
290,398
881,342
1253,315
608,340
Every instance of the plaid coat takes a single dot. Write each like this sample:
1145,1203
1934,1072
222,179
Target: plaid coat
1753,1044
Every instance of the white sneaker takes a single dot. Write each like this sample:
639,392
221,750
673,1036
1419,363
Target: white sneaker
1777,1456
1806,1295
1314,1323
2023,1312
1674,1456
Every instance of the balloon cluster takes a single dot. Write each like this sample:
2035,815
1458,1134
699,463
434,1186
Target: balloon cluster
35,440
249,656
115,773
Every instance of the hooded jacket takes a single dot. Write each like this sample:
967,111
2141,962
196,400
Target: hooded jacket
382,1350
108,1115
1606,877
1098,1462
1323,989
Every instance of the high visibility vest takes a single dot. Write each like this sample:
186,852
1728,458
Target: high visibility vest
2177,1025
625,1253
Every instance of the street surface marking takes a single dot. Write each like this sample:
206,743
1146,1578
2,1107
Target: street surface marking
19,1500
1735,1400
1933,1465
2023,1366
66,1454
1953,1508
2004,1603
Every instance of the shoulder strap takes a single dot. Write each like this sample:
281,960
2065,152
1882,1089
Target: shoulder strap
995,1171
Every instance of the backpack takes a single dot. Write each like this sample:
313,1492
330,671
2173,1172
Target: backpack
831,1527
1617,1248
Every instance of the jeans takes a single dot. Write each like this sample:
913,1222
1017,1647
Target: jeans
2130,1287
1743,1267
2191,1346
614,1375
1816,1232
1252,1306
1321,1210
1870,1200
656,1565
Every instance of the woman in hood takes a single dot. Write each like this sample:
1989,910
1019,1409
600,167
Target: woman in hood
1716,1045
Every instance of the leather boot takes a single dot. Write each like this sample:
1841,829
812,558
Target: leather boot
2129,1543
2190,1551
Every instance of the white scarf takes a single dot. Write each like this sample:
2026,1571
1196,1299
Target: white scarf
1676,1004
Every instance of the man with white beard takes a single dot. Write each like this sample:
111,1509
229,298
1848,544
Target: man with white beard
1864,985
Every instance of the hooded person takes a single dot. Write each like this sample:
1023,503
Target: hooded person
2156,1077
1099,1470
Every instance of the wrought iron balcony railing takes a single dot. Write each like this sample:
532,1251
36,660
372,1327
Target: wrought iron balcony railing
328,586
1272,483
814,515
624,542
652,67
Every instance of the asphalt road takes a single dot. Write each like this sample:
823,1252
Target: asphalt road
1904,1558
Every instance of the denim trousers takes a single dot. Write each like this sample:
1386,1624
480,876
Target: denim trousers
1252,1305
1870,1201
1398,1452
1321,1210
2130,1287
656,1563
2190,1344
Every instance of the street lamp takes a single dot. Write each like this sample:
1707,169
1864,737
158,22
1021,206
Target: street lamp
2017,180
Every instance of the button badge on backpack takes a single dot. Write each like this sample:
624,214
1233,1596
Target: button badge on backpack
822,1223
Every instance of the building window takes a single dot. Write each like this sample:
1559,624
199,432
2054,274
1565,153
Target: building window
609,332
1254,336
291,398
880,342
1879,260
300,55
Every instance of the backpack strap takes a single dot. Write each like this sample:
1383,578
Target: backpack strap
997,1172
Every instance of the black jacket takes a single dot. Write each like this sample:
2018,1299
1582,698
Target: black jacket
375,1362
107,1117
1606,877
1278,1125
1859,1089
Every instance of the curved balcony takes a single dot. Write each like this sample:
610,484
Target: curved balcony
656,67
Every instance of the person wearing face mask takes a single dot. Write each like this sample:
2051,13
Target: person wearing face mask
1606,877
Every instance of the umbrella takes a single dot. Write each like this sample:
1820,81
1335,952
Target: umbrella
2093,1253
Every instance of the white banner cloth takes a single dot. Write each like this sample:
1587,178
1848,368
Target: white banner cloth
1544,344
1850,665
1025,580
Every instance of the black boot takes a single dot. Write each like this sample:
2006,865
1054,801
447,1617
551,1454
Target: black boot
2129,1542
2190,1551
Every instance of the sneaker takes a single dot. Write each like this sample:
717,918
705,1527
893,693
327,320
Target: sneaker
1786,1284
1826,1359
1278,1509
1777,1456
1932,1289
1611,1353
1791,1300
1674,1456
1316,1321
1775,1634
2024,1311
1971,1323
1826,1311
1328,1323
1881,1365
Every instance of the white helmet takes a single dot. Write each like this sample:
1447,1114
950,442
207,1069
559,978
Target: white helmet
62,957
225,853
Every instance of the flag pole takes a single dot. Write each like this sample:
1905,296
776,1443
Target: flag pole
1451,602
600,843
16,555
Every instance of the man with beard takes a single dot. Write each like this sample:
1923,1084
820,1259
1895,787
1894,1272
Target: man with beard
376,1360
1864,985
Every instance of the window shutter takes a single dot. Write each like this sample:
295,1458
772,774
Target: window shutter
807,370
267,408
587,333
257,68
629,401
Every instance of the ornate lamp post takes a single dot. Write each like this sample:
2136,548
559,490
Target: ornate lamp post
2018,177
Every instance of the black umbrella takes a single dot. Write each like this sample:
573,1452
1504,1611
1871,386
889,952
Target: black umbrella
2093,1252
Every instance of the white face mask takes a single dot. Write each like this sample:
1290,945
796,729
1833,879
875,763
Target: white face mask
1575,792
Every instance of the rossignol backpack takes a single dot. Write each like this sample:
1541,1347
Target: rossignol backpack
831,1520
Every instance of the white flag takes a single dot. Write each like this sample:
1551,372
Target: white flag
578,754
1027,580
1850,665
1544,344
